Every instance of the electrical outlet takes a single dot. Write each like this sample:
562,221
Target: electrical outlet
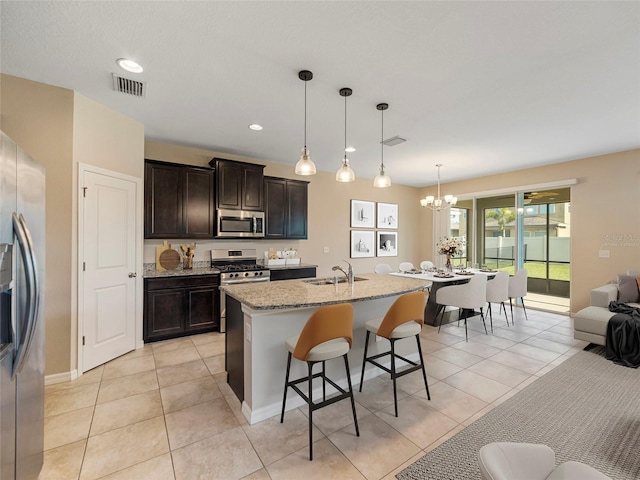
604,253
247,332
326,249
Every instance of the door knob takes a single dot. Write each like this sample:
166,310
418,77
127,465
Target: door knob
132,274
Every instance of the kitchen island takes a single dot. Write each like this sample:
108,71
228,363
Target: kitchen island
261,316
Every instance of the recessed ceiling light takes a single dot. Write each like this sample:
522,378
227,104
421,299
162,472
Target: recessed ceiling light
129,65
350,149
255,126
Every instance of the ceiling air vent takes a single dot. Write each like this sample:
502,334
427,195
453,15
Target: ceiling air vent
390,142
128,86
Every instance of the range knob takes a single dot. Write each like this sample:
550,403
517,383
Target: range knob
246,274
259,273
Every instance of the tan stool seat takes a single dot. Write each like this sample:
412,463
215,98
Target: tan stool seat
324,351
407,329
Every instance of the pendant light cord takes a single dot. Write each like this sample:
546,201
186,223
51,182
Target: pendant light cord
345,127
382,144
305,115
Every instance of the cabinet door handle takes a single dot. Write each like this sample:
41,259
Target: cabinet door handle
133,274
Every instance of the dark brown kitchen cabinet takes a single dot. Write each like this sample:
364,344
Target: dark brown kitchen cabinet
178,306
285,208
292,273
179,201
239,185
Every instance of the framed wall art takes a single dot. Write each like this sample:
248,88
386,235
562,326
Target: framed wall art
362,214
387,244
388,215
362,243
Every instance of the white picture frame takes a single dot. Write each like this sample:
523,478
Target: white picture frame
387,244
387,215
362,214
362,243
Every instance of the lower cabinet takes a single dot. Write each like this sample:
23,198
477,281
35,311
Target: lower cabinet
178,306
292,273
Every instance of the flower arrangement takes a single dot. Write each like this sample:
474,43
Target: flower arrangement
450,246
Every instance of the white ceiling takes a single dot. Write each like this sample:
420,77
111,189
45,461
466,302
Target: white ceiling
481,87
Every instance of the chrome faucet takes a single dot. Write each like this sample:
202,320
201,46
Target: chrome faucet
348,275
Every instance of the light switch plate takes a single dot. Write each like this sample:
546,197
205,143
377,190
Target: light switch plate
326,249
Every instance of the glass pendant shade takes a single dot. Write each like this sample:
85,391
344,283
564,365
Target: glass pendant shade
305,166
345,173
382,180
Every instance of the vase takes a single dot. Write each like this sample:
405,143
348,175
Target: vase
447,265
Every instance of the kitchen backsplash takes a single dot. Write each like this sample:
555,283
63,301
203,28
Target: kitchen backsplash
203,248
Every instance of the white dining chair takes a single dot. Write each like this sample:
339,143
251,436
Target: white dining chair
518,289
382,268
498,292
406,267
426,264
467,297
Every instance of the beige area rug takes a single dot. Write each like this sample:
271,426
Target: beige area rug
587,409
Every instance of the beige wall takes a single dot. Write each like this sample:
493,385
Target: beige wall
605,201
40,119
60,128
329,218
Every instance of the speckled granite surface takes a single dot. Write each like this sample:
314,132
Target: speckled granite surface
298,294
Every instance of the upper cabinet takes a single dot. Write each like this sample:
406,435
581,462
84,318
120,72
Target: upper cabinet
285,208
239,185
179,201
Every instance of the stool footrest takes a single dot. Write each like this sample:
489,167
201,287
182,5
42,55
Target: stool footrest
314,406
414,366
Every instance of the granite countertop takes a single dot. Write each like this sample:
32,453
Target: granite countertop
298,294
180,272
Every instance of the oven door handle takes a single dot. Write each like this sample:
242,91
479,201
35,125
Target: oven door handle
243,280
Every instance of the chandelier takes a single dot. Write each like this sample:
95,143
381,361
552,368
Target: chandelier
436,203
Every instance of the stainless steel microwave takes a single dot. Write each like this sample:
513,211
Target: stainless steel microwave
240,223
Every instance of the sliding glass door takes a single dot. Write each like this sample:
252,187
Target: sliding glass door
529,230
546,241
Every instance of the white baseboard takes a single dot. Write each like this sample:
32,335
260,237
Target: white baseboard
60,377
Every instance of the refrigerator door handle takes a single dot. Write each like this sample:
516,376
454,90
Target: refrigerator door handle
35,297
26,260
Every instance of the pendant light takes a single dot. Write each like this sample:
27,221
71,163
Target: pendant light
382,180
345,173
305,166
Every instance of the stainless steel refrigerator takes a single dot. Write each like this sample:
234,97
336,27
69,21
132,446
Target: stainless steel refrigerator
22,245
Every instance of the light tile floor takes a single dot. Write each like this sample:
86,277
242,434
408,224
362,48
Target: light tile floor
165,411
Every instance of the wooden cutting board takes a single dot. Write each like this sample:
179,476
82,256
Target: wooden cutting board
165,246
169,259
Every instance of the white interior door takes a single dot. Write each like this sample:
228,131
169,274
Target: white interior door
108,269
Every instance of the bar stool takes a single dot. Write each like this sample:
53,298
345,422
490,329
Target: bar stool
404,319
327,334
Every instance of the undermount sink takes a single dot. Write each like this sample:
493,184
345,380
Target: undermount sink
331,281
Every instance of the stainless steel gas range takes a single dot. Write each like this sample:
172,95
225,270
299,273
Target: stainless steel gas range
236,266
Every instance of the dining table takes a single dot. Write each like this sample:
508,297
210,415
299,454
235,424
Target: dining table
438,280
